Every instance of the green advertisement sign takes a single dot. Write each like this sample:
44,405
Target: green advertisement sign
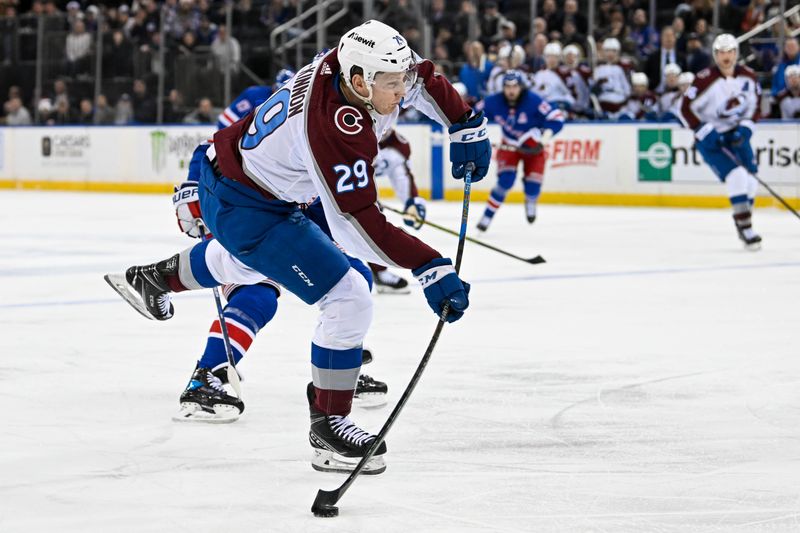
655,155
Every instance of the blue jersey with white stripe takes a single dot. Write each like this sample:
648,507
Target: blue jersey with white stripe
250,98
526,120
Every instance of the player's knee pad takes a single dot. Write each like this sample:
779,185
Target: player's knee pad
362,268
253,304
506,179
736,182
345,313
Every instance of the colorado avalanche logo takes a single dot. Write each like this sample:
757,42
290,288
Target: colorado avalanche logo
348,120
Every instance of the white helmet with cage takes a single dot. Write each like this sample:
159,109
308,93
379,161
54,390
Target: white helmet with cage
612,44
791,72
639,78
375,47
725,42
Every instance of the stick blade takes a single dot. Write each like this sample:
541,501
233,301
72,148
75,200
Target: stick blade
323,505
536,260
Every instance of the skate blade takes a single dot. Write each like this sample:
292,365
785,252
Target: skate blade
192,412
367,400
120,285
754,247
380,289
328,461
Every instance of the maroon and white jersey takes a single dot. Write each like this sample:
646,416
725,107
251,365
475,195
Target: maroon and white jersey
614,86
556,85
670,101
789,104
394,162
719,101
639,106
308,141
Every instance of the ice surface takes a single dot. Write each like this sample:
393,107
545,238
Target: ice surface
647,378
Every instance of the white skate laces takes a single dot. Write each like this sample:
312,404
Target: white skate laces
163,304
388,278
215,383
347,430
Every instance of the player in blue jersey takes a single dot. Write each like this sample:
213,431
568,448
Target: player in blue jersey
251,98
528,123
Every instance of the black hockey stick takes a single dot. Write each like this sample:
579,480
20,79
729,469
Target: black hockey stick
233,375
325,503
778,196
533,260
736,160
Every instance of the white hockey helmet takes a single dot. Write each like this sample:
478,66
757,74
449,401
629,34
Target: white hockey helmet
672,69
639,78
375,47
552,49
686,78
791,71
571,49
461,89
725,42
514,54
612,44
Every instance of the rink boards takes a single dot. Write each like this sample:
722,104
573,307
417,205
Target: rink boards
606,164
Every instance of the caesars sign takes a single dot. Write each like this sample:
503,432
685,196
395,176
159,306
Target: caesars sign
667,154
70,149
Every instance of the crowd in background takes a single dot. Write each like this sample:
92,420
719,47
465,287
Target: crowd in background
198,48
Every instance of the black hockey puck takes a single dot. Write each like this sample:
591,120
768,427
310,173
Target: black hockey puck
325,511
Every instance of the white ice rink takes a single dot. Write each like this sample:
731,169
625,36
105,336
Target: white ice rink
647,378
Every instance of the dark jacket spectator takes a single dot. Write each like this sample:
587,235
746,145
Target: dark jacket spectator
696,58
666,53
118,60
144,106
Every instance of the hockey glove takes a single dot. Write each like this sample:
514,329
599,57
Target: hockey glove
414,213
187,208
469,142
739,142
707,137
442,285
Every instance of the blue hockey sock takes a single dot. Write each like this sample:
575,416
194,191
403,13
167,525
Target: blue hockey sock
249,309
335,376
532,189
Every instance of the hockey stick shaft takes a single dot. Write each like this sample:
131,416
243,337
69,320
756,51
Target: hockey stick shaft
326,499
736,160
533,260
233,375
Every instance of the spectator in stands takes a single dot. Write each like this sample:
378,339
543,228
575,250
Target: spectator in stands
102,111
490,23
174,110
644,35
534,54
696,57
572,13
16,114
45,109
203,114
666,54
475,72
182,18
118,60
8,23
551,17
188,44
439,17
570,35
619,31
791,56
62,115
226,50
787,104
400,15
123,112
85,112
754,15
78,47
508,32
702,32
679,29
144,106
206,32
462,28
90,18
60,93
73,12
540,25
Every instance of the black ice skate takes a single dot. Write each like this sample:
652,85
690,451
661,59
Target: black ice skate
206,400
751,239
339,444
145,288
389,283
370,392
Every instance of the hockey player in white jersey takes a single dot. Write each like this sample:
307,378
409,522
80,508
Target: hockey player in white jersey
556,83
318,136
642,105
720,107
611,82
669,100
582,74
